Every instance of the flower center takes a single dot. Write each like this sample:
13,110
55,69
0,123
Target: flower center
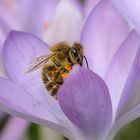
57,65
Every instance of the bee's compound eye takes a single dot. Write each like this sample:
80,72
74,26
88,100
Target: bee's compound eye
74,52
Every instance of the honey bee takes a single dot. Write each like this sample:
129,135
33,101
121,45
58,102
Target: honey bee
57,65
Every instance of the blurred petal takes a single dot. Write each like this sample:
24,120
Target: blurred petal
14,129
130,10
1,69
41,12
89,5
66,24
131,93
7,22
19,50
78,5
18,102
83,98
120,67
32,15
2,114
102,35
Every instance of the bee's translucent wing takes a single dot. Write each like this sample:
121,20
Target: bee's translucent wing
38,62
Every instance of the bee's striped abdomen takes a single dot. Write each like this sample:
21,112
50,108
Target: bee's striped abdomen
51,79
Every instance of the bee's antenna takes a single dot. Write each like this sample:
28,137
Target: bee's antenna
86,62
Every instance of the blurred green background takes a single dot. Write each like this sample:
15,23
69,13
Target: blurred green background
36,132
130,132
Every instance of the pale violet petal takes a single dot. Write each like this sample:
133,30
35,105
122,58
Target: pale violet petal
19,50
38,15
18,102
131,94
119,68
102,35
83,98
33,16
89,5
129,106
130,10
79,5
66,24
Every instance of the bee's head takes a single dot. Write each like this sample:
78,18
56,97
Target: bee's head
76,53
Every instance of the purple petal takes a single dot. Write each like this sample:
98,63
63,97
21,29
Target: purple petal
8,20
42,12
19,50
103,33
89,5
30,19
14,129
130,97
120,67
129,106
83,98
7,23
130,10
18,102
78,5
66,24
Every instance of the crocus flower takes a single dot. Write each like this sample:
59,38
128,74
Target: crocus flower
92,104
